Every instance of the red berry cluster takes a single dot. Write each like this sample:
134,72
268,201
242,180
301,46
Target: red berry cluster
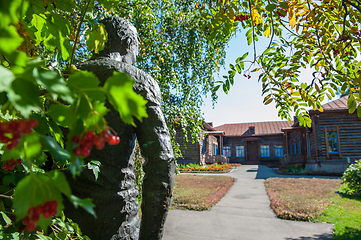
241,17
10,165
247,76
49,209
90,138
11,132
336,52
281,14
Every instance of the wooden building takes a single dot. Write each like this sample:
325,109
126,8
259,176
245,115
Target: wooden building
332,142
253,143
206,151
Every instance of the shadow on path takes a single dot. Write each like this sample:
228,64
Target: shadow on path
325,236
264,172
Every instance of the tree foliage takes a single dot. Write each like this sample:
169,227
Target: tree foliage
323,36
48,107
180,53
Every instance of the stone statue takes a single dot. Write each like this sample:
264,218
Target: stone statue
114,192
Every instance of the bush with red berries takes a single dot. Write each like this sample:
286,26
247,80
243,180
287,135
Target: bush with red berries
11,132
47,210
11,164
241,18
86,142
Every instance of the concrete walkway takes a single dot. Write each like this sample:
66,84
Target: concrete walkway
244,213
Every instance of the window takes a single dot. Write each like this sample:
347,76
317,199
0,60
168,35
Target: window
294,147
240,151
332,141
278,150
215,149
265,151
227,151
299,147
308,145
290,148
204,147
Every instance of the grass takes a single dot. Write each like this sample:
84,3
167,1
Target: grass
316,200
199,192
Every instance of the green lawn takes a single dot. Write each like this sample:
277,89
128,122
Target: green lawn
345,213
316,200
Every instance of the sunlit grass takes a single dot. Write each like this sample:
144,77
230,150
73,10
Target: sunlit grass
199,192
316,200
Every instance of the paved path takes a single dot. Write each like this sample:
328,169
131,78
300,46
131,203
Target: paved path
244,213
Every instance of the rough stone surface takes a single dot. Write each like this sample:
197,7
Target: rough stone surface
114,192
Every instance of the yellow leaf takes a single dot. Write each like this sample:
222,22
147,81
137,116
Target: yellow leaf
255,70
292,17
320,109
317,88
267,33
197,5
256,18
268,101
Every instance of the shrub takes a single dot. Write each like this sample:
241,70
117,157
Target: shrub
352,179
295,168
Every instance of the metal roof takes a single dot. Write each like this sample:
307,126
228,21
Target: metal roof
260,128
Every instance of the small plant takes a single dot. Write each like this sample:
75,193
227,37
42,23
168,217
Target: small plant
215,167
293,168
352,179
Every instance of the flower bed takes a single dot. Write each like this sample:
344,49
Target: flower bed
196,168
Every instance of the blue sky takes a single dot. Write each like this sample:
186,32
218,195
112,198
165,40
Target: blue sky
244,102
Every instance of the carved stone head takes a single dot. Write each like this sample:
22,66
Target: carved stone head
123,40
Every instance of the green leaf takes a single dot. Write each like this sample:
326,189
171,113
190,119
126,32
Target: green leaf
7,77
58,152
351,104
95,167
84,203
216,88
284,5
55,33
53,84
359,111
62,115
32,146
88,83
10,11
25,96
9,42
60,182
238,67
34,190
6,218
244,56
119,88
271,7
42,237
96,38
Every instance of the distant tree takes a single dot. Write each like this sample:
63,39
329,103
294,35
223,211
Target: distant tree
321,35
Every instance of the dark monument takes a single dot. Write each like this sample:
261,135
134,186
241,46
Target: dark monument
114,192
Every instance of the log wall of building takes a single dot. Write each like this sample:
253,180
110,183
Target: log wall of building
349,126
